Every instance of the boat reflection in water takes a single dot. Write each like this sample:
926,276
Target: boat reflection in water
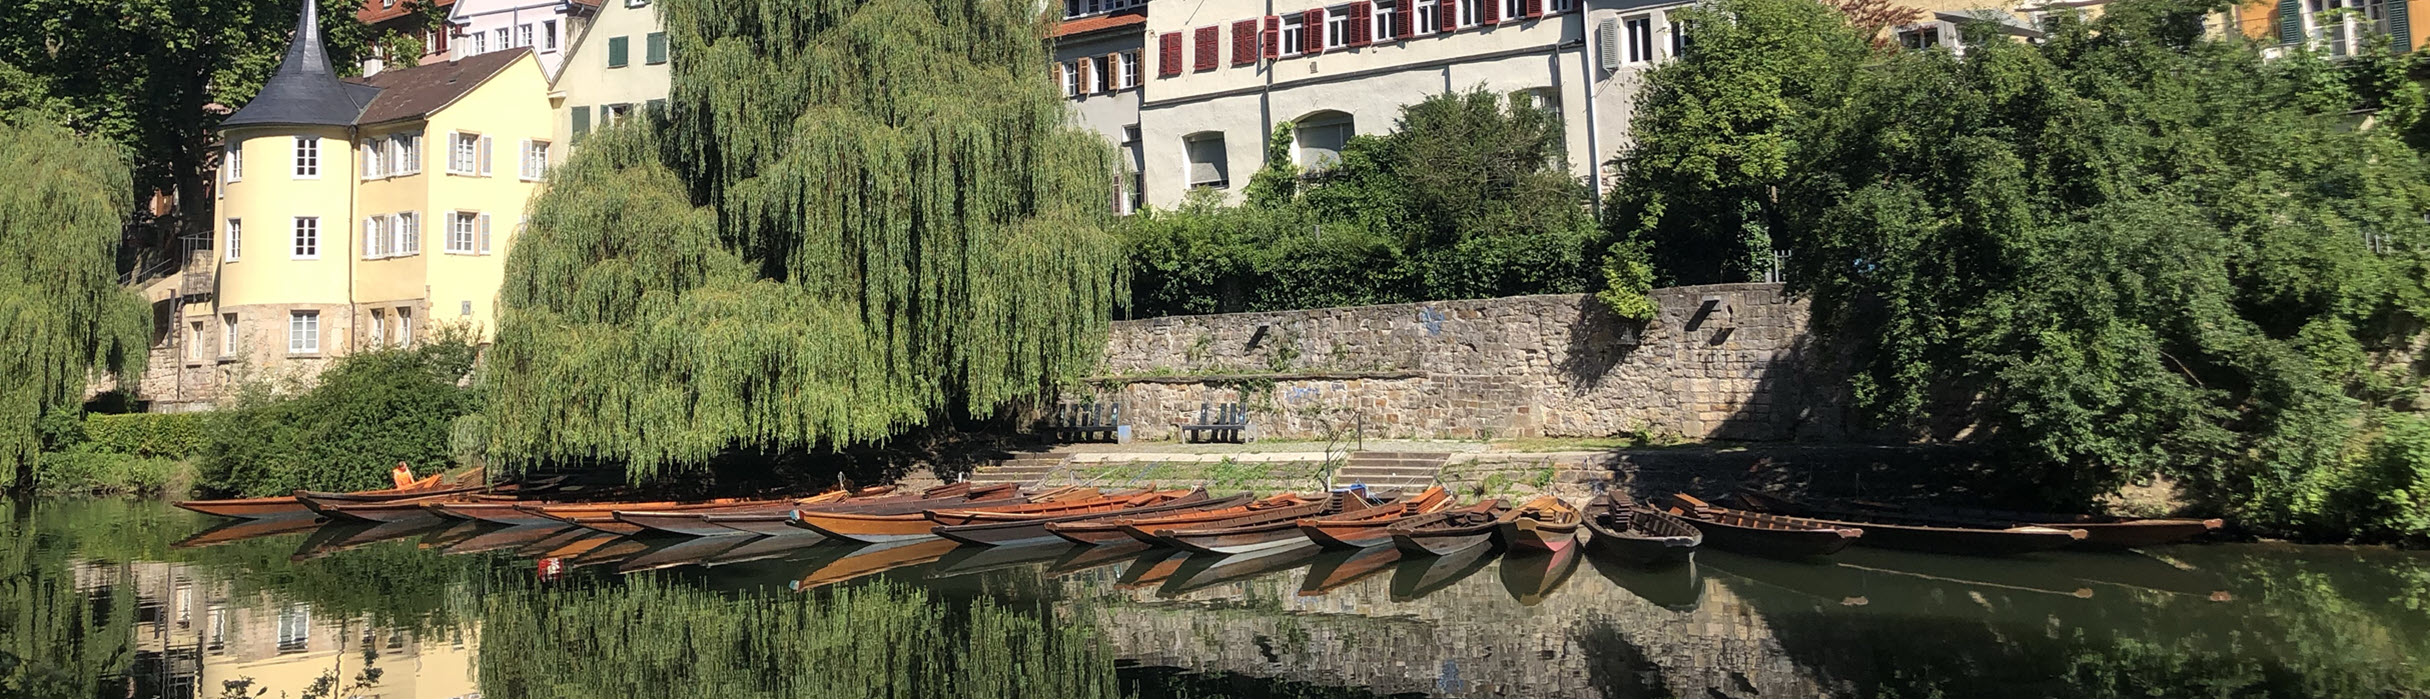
1530,575
860,560
1419,576
1341,567
1678,587
966,561
1202,570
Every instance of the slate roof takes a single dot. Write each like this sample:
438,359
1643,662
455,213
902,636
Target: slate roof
405,93
304,91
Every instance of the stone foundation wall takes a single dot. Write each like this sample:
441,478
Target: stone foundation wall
187,373
1731,361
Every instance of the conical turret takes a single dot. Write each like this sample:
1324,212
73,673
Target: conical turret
304,91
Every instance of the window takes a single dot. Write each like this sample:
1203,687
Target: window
1294,34
227,335
303,337
548,35
468,233
505,40
379,328
1678,39
374,157
618,47
1385,13
654,48
615,113
582,122
1321,138
465,309
375,238
236,240
636,3
1337,27
1469,12
1100,73
307,238
2342,32
405,232
1130,134
1130,69
234,165
1920,38
405,154
1070,78
307,156
1640,32
523,35
1559,6
1207,167
474,46
535,159
467,154
404,327
1514,9
194,340
217,621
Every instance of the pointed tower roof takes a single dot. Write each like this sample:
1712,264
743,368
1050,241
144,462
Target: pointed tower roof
304,91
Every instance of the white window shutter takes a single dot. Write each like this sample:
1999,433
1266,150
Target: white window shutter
484,156
370,240
482,230
1608,44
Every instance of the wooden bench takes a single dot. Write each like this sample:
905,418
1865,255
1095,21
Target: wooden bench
1076,421
1223,422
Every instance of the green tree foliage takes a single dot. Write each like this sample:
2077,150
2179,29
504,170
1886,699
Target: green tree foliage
2128,251
367,412
62,313
1466,197
861,217
151,75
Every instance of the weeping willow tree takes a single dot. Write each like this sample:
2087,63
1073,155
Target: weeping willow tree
62,312
856,217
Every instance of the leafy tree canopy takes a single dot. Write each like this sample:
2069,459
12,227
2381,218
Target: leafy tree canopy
861,217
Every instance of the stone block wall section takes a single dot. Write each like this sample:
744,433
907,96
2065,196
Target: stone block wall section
1729,361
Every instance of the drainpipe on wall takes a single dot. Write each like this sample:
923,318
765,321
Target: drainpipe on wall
354,237
1265,92
1594,126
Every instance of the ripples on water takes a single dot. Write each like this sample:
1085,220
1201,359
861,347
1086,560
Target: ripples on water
99,600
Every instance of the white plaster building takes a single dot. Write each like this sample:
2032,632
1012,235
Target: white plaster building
544,26
1101,66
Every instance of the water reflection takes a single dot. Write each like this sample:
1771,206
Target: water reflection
108,598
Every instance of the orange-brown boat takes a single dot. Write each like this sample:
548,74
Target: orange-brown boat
693,523
1542,524
1365,528
1111,530
774,523
269,507
388,511
1256,531
900,527
1004,528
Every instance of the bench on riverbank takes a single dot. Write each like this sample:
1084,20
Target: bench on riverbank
1223,422
1075,421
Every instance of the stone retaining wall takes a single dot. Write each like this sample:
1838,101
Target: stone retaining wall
1730,361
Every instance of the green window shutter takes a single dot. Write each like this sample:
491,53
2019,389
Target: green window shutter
619,49
2400,25
2290,21
654,48
582,122
658,108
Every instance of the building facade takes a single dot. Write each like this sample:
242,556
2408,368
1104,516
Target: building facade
359,214
618,67
541,26
1100,65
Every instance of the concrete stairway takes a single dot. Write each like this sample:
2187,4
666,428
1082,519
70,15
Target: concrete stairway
1391,470
1024,468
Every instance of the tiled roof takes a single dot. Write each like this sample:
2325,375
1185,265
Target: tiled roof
406,93
373,13
1085,25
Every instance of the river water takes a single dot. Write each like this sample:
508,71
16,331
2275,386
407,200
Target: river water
109,598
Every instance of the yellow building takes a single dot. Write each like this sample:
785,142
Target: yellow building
364,213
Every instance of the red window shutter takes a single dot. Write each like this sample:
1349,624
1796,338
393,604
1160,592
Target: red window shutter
1313,40
1362,23
1492,14
1447,17
1168,55
1208,55
1535,8
1244,42
1404,22
1270,41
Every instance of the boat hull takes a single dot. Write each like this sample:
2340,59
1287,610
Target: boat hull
2139,533
866,529
1530,535
250,508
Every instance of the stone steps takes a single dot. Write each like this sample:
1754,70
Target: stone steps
1391,470
1024,468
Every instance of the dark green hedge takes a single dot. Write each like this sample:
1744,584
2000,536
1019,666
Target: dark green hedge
146,434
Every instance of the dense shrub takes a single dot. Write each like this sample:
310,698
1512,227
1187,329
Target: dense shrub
368,411
146,434
88,471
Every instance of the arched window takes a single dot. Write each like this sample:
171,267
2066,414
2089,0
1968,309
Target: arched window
1321,138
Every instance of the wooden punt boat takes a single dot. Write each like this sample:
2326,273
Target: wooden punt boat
2100,531
1108,530
1364,528
1620,529
1762,534
1543,524
272,507
505,537
692,523
390,511
1926,534
1203,570
871,528
777,523
1448,531
999,528
240,530
1530,575
1143,529
1341,567
875,558
1421,575
335,497
1268,529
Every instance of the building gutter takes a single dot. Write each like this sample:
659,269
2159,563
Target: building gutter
1353,75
